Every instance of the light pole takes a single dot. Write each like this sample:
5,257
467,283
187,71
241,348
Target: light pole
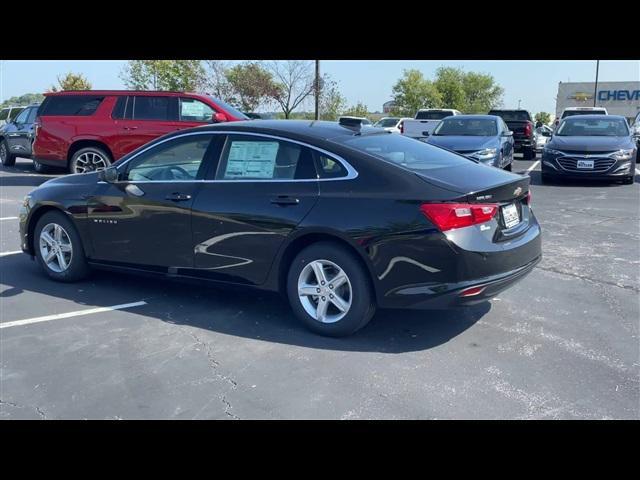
1,81
317,90
595,89
519,104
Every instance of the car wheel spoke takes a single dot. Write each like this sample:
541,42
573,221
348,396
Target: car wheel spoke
321,311
318,270
308,290
338,280
339,303
47,238
62,262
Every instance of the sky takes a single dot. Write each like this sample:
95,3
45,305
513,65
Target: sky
533,83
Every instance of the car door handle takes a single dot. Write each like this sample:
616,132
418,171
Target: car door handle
178,197
130,128
285,200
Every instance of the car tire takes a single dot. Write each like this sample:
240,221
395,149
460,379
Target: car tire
89,158
6,157
355,293
39,167
528,153
67,243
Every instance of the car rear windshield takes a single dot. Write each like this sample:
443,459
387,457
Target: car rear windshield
589,127
571,113
512,115
433,115
387,122
70,105
229,108
406,152
470,127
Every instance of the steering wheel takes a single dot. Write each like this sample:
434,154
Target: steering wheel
182,174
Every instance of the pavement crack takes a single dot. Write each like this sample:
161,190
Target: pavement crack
589,279
43,416
228,407
10,404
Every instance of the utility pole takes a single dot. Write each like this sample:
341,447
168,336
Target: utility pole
519,104
317,89
595,90
1,81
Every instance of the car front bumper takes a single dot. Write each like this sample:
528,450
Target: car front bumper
618,169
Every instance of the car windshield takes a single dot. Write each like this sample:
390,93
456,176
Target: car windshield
572,113
512,116
593,127
468,127
229,108
387,122
433,115
406,152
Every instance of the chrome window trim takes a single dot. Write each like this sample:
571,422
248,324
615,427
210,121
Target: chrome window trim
351,172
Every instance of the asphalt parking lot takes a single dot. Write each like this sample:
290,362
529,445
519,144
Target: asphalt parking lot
561,344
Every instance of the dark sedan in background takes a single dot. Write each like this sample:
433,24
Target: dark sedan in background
485,138
16,136
591,147
339,218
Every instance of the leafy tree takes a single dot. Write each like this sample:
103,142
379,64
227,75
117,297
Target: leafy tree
543,117
252,85
482,93
413,92
71,81
175,75
331,100
449,83
216,82
357,110
26,99
295,81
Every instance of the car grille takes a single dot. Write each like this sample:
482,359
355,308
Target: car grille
600,164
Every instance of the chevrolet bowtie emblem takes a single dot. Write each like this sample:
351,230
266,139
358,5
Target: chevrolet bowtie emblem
517,191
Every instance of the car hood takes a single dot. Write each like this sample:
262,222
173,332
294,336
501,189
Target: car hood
590,144
74,179
460,143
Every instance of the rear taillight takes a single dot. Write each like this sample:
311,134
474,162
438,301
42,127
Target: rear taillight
36,127
527,129
472,291
447,216
529,198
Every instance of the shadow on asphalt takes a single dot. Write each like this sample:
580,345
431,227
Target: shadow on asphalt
243,313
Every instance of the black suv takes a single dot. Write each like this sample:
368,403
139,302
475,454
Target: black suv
520,122
16,137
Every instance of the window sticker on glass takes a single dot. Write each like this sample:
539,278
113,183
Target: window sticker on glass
251,159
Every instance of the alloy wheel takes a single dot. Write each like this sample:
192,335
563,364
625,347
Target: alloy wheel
324,291
55,247
90,162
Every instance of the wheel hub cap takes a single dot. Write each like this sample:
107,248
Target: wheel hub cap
324,291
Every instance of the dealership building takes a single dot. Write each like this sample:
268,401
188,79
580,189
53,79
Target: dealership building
619,98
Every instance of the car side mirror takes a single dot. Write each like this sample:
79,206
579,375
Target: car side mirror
219,118
109,175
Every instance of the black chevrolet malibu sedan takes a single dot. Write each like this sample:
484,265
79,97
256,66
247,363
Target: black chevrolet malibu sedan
590,147
339,218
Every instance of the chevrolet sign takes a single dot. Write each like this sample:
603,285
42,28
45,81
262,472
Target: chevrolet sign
619,95
581,96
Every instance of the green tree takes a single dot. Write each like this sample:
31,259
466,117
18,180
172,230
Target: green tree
173,75
449,83
252,85
26,99
357,110
482,93
331,100
71,81
413,92
543,117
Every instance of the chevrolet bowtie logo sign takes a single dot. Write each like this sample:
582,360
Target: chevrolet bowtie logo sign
581,96
517,191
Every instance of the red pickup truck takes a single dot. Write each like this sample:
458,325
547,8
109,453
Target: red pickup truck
88,130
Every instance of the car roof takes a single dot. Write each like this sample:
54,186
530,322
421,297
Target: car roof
585,108
469,115
595,116
311,129
120,92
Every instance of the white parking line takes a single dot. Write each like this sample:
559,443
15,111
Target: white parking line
78,313
535,164
8,218
4,254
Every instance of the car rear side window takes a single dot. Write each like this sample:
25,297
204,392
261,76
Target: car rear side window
119,109
32,115
155,108
246,157
329,168
71,105
406,152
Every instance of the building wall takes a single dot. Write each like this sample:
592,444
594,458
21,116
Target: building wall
619,98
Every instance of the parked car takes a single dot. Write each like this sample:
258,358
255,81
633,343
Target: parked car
16,137
520,122
392,124
485,138
635,130
542,135
590,147
84,131
363,120
572,111
339,219
425,122
7,114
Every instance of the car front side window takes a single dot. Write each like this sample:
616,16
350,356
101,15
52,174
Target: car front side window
179,159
